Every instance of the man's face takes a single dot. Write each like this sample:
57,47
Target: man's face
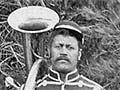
64,53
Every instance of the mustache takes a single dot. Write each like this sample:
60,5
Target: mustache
63,58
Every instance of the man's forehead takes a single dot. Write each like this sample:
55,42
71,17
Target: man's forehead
65,39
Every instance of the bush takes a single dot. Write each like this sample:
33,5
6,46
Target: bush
100,22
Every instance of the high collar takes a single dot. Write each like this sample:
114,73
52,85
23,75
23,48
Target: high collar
72,76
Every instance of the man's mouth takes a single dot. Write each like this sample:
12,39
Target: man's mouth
62,59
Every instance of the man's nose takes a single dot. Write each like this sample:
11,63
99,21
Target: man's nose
63,51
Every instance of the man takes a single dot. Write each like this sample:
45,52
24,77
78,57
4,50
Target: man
65,51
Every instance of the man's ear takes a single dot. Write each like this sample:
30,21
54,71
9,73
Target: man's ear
47,54
79,54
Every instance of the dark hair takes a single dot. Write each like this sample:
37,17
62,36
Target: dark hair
66,32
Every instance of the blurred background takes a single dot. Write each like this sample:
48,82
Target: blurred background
100,22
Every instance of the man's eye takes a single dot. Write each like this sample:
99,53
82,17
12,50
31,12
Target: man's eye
57,46
71,48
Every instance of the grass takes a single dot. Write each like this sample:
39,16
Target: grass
100,22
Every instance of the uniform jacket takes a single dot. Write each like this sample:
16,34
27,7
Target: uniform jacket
73,81
52,81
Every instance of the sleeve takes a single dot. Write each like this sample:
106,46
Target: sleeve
9,81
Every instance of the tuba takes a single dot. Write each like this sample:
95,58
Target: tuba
33,19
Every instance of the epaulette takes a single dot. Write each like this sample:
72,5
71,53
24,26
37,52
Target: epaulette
89,83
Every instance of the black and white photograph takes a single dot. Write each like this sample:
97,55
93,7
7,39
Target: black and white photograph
59,44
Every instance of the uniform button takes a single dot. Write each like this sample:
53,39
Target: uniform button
80,84
44,83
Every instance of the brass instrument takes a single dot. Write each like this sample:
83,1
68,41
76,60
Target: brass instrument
28,20
33,19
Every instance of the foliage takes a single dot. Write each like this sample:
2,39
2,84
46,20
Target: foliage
100,22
